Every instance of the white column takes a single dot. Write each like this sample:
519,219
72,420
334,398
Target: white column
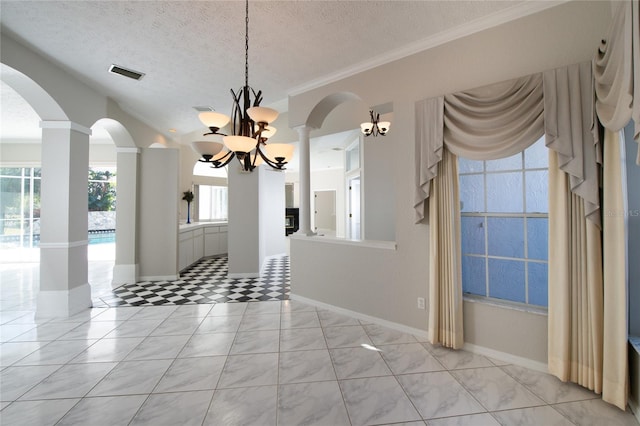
305,182
256,219
125,269
64,287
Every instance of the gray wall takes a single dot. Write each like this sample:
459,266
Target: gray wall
244,227
379,184
256,218
386,283
633,192
158,206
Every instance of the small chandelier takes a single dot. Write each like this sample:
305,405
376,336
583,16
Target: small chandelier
375,127
249,126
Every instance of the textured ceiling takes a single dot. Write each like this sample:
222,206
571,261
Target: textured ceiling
193,51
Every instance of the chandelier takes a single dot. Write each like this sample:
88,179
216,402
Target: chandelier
375,127
250,128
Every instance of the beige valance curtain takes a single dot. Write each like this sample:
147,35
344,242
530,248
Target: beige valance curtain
490,122
495,121
503,119
617,70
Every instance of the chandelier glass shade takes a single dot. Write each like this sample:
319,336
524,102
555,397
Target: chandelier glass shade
213,120
375,127
250,128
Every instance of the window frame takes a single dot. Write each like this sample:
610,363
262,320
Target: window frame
524,215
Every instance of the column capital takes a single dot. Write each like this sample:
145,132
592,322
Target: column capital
65,124
303,130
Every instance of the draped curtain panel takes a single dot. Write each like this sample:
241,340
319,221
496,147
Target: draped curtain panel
575,336
571,131
445,275
615,371
616,67
587,326
429,144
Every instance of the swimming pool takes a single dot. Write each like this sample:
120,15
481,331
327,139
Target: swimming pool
102,237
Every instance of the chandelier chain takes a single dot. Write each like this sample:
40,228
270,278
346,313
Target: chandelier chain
246,45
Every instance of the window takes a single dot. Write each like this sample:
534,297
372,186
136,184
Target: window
504,221
213,203
19,207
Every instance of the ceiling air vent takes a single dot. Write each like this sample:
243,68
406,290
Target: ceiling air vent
116,69
202,108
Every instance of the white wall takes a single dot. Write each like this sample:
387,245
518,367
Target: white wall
563,35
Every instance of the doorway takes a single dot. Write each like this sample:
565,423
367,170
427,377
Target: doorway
325,213
354,216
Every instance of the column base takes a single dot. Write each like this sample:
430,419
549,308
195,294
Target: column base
303,233
124,274
63,303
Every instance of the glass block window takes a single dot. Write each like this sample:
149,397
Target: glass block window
504,226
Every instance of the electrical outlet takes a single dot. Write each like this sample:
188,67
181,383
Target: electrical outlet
421,303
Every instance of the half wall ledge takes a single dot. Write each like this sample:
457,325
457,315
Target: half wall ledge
387,245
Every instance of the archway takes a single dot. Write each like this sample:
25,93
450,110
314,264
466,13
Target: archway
63,287
125,266
314,121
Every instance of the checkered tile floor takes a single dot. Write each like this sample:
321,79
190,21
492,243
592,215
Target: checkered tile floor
207,282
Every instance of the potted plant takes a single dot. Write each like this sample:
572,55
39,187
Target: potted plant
188,197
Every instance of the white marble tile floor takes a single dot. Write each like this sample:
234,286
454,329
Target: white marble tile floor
263,363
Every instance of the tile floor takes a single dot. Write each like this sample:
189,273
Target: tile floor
206,282
260,363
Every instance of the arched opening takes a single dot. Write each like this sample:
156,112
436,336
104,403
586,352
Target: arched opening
20,177
338,159
24,105
102,203
113,221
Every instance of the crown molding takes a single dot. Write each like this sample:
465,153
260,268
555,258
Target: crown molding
515,12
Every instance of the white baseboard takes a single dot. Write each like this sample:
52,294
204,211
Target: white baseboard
124,274
375,320
480,350
159,278
507,357
63,303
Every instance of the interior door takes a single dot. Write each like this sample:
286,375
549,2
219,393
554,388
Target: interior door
354,215
325,212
